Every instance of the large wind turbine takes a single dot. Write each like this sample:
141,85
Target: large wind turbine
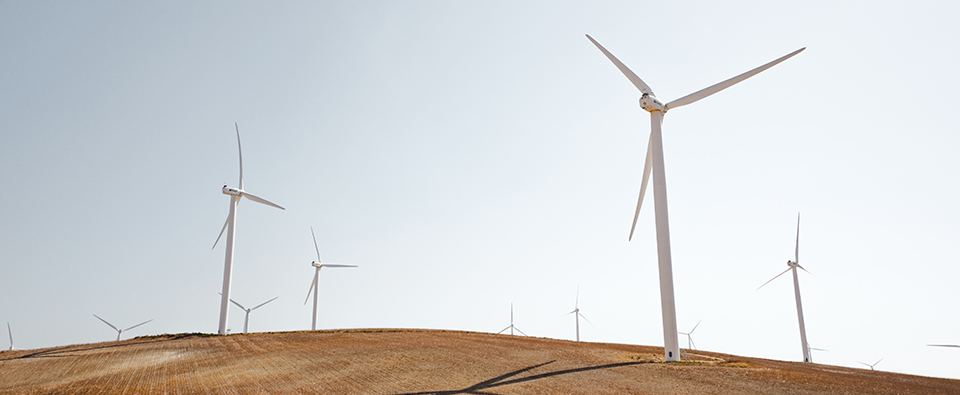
577,315
511,327
794,265
231,227
246,319
120,331
654,162
315,285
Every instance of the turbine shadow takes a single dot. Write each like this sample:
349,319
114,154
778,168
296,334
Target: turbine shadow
502,379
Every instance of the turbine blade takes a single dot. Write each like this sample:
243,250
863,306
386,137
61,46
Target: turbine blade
238,304
796,252
240,150
875,363
317,274
105,322
585,319
144,322
647,165
804,269
504,329
337,265
637,82
221,232
315,244
521,332
774,278
261,200
695,326
943,345
726,84
261,304
693,343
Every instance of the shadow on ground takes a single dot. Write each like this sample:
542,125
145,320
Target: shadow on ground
503,379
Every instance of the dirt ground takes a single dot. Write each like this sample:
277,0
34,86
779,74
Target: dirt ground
385,361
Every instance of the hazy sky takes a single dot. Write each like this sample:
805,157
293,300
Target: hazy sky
467,155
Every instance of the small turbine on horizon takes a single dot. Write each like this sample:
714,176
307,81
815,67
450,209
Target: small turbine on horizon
120,331
10,332
315,285
690,344
577,314
654,160
511,327
871,366
246,319
231,227
794,265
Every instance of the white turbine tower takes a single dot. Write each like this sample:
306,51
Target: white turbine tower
690,344
315,285
10,332
577,315
231,227
120,331
654,160
246,319
511,327
871,366
794,265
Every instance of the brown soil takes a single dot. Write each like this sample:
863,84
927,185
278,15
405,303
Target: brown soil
385,361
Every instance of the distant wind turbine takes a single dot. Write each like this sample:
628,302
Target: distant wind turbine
690,344
231,227
577,314
650,103
511,327
120,331
315,285
246,319
793,265
871,366
10,332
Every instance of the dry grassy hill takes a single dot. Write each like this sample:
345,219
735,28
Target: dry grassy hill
419,362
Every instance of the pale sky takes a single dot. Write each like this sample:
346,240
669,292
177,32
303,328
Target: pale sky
467,155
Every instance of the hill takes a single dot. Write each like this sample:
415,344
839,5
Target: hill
385,361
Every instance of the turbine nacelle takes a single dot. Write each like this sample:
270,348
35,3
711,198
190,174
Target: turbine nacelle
650,103
792,264
232,191
316,264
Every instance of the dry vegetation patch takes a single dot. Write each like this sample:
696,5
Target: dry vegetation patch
394,361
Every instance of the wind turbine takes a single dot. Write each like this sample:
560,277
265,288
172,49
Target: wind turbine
511,327
794,265
577,315
871,366
120,331
690,344
10,332
315,285
246,319
654,160
231,227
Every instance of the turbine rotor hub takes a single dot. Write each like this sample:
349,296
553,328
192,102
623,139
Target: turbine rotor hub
792,264
650,103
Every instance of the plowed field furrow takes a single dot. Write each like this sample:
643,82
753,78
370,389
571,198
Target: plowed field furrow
418,362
